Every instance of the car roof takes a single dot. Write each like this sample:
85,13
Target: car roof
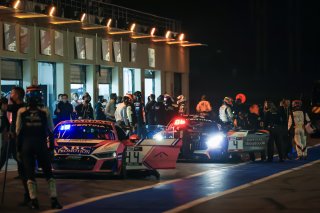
197,118
86,122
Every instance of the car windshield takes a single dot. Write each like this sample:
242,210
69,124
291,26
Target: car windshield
201,124
84,131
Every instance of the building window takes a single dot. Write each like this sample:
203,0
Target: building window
177,84
128,81
149,83
11,75
47,82
78,79
105,81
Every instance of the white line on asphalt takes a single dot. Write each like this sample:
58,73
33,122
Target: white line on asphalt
213,196
93,199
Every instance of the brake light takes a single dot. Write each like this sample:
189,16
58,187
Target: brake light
179,122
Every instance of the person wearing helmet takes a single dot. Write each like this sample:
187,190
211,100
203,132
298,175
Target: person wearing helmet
150,112
181,102
204,107
139,112
170,109
297,121
34,125
85,110
225,112
160,111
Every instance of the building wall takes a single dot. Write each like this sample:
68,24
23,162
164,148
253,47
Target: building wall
168,59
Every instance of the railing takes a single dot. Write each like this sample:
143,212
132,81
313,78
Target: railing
100,11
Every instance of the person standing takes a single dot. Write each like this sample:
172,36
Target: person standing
16,96
34,125
4,130
85,110
160,111
273,123
100,110
111,107
285,112
297,120
64,109
225,113
204,107
150,111
139,111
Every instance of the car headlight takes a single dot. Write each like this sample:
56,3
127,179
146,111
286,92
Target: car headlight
106,155
215,141
158,136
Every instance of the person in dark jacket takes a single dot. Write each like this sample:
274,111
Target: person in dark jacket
85,110
150,111
64,109
160,111
273,123
99,109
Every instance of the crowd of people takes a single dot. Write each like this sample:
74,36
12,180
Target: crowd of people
286,123
129,111
25,126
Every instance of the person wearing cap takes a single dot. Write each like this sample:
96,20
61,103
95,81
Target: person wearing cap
34,124
297,120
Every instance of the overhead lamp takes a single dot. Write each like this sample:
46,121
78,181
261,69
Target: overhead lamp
181,37
153,30
52,10
177,42
83,16
94,27
168,33
16,4
192,45
65,22
119,32
133,26
30,15
109,23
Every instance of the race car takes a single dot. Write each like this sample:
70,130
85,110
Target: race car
206,139
92,146
202,138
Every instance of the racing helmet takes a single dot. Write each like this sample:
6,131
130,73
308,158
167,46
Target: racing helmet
241,98
181,99
138,96
228,101
296,104
168,100
34,96
160,99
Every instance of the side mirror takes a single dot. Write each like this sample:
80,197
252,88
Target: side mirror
134,138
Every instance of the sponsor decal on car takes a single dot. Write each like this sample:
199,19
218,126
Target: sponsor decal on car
83,150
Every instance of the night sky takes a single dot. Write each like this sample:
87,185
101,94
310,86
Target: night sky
267,49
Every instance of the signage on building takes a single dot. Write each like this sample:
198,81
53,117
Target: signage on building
117,51
106,55
10,37
152,57
45,42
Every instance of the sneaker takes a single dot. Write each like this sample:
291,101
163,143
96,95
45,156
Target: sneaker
34,204
55,203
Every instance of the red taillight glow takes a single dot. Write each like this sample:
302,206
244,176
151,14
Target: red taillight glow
179,122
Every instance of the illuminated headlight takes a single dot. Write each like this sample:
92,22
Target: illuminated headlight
158,136
215,141
106,155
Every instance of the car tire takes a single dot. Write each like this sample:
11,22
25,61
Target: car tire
123,172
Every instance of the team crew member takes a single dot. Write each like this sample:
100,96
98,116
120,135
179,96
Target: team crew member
34,124
225,112
16,98
204,107
139,111
121,113
160,111
300,119
150,111
272,122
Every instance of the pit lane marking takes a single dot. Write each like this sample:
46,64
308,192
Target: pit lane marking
238,188
93,199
